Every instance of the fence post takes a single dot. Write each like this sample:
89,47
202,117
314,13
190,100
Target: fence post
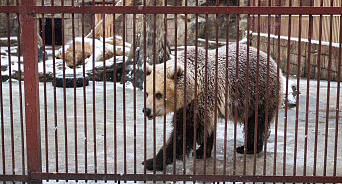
31,79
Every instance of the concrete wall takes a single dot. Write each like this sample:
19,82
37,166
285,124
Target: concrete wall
304,56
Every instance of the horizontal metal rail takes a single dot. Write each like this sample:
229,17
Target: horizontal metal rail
204,178
173,10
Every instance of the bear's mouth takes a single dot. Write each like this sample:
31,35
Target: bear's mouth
150,117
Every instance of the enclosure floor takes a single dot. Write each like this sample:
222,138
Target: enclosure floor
69,144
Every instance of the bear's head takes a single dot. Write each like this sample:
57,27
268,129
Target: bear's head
155,93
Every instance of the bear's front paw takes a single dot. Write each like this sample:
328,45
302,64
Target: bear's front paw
149,165
241,150
200,153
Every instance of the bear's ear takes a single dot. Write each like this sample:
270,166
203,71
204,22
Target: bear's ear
179,72
148,69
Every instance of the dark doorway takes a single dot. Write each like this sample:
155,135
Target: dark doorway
48,30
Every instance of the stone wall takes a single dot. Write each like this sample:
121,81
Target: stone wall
304,56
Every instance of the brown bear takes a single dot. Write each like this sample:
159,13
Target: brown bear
205,109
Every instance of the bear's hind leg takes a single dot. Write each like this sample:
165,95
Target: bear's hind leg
250,136
210,144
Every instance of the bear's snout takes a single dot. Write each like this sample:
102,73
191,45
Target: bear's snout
148,111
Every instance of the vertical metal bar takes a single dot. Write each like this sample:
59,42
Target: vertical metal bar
226,95
175,101
185,92
134,92
10,91
267,89
45,97
64,99
145,62
216,92
206,91
247,95
256,114
94,99
164,92
154,90
2,126
278,29
338,98
32,114
308,92
297,95
20,94
236,86
75,94
55,93
124,89
328,96
84,99
287,89
104,78
115,100
104,88
318,87
195,91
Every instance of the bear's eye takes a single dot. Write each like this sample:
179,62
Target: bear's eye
146,95
159,96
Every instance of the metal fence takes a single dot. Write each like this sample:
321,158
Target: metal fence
97,132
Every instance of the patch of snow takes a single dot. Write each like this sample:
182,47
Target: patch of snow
11,38
296,39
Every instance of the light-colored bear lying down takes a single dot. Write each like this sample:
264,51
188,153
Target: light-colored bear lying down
206,98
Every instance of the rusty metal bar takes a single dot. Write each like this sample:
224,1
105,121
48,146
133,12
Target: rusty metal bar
175,100
115,101
216,91
135,92
267,90
84,100
256,97
287,91
278,27
310,32
328,95
32,115
145,95
236,83
176,10
338,99
185,92
94,94
297,95
164,91
23,164
2,127
10,92
318,92
124,92
154,91
205,92
104,78
226,102
195,95
207,177
173,10
75,93
65,120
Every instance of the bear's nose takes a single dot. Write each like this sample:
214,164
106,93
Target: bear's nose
147,110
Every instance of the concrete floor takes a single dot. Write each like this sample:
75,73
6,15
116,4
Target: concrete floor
70,130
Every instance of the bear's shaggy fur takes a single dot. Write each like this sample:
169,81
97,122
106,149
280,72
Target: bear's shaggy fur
206,98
